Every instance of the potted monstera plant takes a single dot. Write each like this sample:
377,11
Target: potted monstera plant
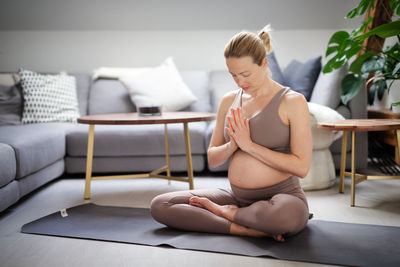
345,47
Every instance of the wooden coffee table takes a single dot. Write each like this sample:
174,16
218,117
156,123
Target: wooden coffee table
359,125
134,119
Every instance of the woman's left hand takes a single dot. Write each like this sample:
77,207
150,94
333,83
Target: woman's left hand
239,127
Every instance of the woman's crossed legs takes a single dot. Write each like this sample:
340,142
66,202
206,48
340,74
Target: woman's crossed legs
217,211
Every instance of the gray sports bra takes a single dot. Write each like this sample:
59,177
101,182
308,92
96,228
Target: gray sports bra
266,127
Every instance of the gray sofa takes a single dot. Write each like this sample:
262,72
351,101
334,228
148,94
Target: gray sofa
31,155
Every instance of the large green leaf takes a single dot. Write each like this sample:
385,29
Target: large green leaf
334,63
373,64
353,50
351,85
357,63
383,31
362,7
395,6
338,37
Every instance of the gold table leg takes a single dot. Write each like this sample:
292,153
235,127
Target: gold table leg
353,171
167,158
398,142
89,161
188,155
343,162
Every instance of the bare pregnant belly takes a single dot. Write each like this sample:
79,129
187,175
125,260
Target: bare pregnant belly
246,171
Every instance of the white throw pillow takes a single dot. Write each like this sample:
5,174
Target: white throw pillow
162,85
48,98
318,113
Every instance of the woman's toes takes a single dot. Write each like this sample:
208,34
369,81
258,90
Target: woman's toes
279,238
195,201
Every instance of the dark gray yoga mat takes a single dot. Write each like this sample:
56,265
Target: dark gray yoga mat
320,242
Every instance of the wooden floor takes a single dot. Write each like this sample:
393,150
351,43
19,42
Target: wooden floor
377,202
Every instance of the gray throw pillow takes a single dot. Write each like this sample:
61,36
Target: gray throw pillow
327,88
276,71
301,77
10,103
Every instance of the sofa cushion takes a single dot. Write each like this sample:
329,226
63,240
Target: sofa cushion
275,69
199,84
8,165
48,98
36,145
301,77
10,99
327,88
35,180
135,140
9,194
221,82
162,85
109,96
133,164
83,83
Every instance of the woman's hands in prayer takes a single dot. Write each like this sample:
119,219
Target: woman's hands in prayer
239,130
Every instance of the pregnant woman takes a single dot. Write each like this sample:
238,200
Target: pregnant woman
263,128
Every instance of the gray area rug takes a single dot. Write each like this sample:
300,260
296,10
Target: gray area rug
320,242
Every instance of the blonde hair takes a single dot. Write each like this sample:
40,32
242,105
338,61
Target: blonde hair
250,44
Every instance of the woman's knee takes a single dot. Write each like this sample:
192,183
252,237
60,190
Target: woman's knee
157,206
160,204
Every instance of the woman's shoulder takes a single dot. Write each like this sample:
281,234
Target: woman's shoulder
294,100
229,97
294,97
226,101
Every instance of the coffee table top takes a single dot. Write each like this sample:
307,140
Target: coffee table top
361,125
134,118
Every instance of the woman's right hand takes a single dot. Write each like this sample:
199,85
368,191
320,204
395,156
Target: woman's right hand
232,143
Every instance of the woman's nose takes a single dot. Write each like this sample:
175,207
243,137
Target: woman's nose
239,81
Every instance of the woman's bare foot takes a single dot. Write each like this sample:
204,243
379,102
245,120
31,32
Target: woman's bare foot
225,211
237,229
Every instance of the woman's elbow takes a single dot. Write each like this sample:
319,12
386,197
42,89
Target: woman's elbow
303,171
302,174
211,161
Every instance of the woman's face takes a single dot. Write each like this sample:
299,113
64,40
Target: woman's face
247,75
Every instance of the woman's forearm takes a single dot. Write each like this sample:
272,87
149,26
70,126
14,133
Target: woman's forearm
290,163
218,155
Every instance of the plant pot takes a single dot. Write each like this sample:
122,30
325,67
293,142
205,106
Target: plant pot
396,109
394,92
382,104
388,98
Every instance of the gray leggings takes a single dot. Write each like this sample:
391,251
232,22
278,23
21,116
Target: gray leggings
278,209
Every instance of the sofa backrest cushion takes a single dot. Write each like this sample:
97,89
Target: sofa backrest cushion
327,88
109,96
275,69
83,83
11,100
221,83
301,77
199,83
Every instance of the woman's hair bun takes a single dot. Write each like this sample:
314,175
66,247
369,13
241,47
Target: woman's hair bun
265,36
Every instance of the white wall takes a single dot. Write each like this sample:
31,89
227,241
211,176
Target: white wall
81,35
76,51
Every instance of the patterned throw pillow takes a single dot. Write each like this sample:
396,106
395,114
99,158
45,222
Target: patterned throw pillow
48,98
